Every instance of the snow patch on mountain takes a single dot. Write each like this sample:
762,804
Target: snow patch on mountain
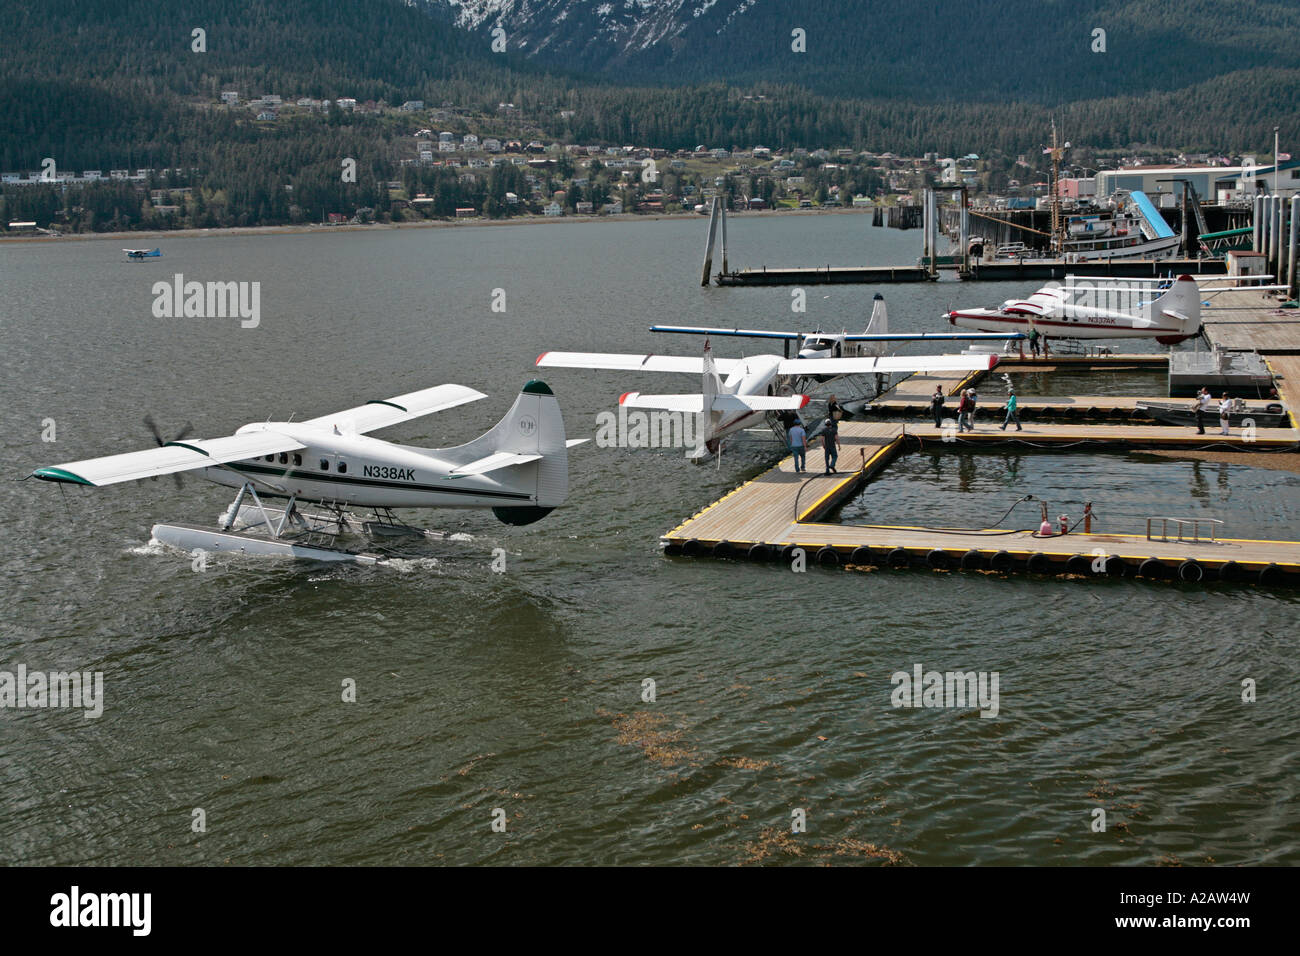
602,29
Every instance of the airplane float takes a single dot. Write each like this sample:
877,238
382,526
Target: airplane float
1171,316
518,468
752,388
139,254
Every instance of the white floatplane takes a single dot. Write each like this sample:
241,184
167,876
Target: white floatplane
752,388
518,468
1082,310
822,345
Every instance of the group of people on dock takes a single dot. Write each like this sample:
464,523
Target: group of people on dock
966,409
829,434
1204,401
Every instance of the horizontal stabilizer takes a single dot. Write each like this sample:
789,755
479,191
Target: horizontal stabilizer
758,403
502,459
721,402
693,404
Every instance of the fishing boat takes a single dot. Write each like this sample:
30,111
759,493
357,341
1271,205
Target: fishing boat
1272,415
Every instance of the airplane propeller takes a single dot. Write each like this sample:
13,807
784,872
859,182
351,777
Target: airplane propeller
150,424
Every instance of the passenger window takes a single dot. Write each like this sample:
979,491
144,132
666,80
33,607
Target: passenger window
297,459
324,464
284,459
270,458
343,467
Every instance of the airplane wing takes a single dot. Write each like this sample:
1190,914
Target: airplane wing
898,363
380,413
744,333
872,337
692,365
920,336
172,457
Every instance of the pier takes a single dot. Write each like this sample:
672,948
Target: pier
1013,269
779,515
1274,229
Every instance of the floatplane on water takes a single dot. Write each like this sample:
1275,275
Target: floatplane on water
139,254
518,468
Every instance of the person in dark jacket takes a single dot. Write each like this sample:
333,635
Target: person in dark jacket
831,444
936,406
963,412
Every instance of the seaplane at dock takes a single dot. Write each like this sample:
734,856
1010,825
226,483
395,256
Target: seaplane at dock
736,394
1134,309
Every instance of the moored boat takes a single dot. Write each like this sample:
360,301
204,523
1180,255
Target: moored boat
1272,415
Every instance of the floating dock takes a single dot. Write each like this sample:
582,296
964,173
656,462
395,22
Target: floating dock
997,270
1247,320
777,516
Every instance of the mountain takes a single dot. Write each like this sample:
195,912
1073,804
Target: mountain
122,85
1039,51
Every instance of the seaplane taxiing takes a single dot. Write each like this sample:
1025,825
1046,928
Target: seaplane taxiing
518,468
139,254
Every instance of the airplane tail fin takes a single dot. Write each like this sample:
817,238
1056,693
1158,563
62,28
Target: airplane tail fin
525,452
879,321
878,324
1182,303
707,418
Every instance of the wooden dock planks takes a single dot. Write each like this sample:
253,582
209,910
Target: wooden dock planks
780,508
1249,321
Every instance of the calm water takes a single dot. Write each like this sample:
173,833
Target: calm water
522,691
970,489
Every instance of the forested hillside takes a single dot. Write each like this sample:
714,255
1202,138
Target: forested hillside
1039,51
120,85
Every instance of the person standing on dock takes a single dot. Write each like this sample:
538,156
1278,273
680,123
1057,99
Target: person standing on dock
970,419
1033,341
831,444
936,406
1225,415
834,409
1203,399
963,412
1013,415
798,445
